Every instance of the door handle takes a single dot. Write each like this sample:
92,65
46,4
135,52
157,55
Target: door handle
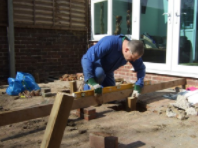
168,14
169,17
177,14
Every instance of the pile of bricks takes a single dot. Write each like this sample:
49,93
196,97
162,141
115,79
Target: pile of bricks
88,113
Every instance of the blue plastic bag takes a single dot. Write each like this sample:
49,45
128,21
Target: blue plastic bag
23,81
15,87
27,80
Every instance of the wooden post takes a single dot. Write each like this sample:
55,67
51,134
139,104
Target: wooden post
73,86
57,121
131,103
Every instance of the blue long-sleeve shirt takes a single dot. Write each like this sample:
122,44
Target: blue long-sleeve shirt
109,51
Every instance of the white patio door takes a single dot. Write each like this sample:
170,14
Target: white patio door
185,51
156,31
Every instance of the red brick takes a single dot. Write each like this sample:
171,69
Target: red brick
80,112
90,111
102,140
90,117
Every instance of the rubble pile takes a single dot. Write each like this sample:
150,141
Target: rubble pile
181,109
72,77
29,94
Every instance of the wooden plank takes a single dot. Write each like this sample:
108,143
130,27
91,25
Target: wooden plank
47,26
73,86
57,121
82,102
162,85
20,115
131,103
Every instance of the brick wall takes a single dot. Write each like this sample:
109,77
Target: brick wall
128,75
44,51
4,61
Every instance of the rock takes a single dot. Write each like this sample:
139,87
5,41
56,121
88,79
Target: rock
182,102
191,111
170,113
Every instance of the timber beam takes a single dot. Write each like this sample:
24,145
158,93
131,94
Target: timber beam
20,115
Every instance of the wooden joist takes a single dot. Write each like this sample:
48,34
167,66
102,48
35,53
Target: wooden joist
11,117
57,121
20,115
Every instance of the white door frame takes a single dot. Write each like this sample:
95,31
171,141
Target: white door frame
191,71
158,67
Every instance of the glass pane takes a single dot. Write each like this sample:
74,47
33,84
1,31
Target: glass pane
122,16
153,30
188,28
100,17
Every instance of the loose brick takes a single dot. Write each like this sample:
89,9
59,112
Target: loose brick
90,111
102,140
45,90
80,112
89,117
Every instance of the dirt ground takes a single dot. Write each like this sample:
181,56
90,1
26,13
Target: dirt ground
147,128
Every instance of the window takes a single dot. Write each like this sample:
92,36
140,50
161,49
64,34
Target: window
153,30
100,17
168,29
111,17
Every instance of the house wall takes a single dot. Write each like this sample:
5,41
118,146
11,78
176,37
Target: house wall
4,61
46,52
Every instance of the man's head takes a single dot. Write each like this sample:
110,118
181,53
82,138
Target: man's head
133,50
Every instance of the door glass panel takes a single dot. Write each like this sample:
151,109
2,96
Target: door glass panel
153,30
188,27
122,16
100,17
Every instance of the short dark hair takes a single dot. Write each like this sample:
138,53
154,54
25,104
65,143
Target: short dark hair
136,46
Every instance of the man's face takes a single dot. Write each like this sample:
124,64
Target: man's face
131,56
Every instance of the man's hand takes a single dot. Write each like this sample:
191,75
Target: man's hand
135,94
136,91
97,88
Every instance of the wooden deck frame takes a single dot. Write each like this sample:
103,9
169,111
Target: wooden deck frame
64,103
10,117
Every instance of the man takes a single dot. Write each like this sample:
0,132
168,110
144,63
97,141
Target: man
111,52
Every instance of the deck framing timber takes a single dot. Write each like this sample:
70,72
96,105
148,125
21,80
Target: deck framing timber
25,114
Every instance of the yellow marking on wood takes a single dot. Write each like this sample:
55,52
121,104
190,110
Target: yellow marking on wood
107,89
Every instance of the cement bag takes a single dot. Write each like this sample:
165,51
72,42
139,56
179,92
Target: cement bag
15,87
27,81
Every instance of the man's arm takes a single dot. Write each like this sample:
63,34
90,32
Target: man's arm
93,54
140,68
